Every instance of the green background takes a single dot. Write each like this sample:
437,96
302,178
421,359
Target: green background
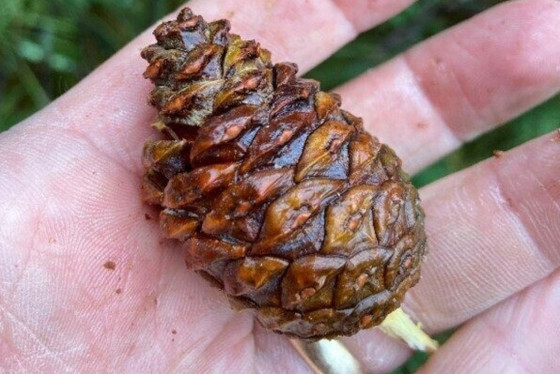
48,46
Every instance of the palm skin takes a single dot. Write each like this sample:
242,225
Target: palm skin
88,285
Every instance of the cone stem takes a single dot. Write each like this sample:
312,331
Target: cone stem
327,356
398,324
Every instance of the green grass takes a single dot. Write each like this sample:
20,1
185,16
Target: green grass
48,46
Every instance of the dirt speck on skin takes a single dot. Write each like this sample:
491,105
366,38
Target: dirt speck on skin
497,153
509,202
110,265
118,291
147,217
174,332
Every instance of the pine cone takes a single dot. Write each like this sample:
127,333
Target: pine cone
279,197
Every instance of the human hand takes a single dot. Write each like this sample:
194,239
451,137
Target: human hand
86,285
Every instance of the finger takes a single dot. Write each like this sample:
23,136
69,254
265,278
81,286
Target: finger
112,100
463,82
492,231
518,336
304,32
377,351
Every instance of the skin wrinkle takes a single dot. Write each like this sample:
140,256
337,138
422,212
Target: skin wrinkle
114,135
519,320
272,351
38,218
252,347
504,200
115,337
13,224
144,321
95,148
151,304
55,223
118,144
189,356
236,341
481,354
414,302
162,285
19,266
7,348
33,336
436,113
144,308
465,302
154,318
541,212
499,338
101,279
443,274
441,66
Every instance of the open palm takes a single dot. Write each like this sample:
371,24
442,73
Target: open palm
87,284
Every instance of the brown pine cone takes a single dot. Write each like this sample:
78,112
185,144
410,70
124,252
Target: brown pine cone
279,197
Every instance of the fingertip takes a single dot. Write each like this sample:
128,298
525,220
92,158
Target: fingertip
493,67
532,36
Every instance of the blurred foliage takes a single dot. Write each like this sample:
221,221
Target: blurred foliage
48,46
